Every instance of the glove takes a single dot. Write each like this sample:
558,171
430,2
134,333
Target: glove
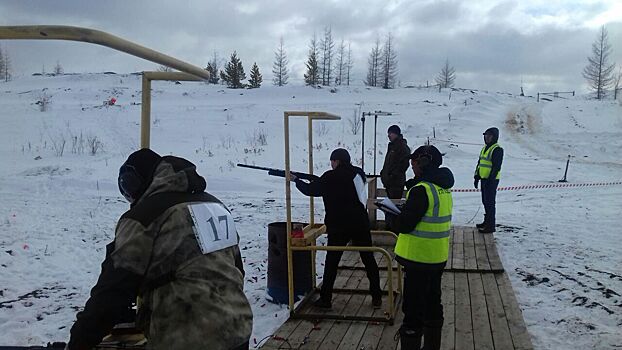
475,181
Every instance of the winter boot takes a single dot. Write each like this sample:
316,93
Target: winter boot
483,224
410,338
432,338
322,303
487,229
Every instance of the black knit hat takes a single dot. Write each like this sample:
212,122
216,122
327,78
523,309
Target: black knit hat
340,154
136,173
433,156
394,129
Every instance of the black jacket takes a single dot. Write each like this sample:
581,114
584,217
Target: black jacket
344,210
396,161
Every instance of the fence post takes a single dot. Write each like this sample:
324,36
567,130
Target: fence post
566,171
573,93
433,132
538,100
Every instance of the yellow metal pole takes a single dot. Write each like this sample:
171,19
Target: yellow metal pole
311,206
145,114
47,32
288,206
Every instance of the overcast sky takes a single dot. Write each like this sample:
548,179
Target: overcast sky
491,44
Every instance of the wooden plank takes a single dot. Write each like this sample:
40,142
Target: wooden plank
470,261
496,314
464,327
449,304
373,330
319,331
339,328
481,254
387,339
482,336
520,336
355,332
458,249
493,254
450,252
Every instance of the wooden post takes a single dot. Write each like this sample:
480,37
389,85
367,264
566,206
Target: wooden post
145,114
538,99
372,186
310,133
288,206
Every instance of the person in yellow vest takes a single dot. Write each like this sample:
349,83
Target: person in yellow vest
488,172
422,248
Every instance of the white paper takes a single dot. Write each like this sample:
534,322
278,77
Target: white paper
213,227
388,206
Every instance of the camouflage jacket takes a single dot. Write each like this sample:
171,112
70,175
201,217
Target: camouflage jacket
190,300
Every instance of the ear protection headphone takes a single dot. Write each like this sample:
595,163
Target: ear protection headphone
130,182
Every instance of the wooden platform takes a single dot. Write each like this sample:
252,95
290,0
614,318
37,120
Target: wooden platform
480,308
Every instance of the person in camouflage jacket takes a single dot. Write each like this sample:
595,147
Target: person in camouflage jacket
191,298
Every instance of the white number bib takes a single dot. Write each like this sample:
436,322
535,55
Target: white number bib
213,227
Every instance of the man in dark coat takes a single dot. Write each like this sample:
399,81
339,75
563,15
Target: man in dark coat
393,173
176,249
343,192
488,171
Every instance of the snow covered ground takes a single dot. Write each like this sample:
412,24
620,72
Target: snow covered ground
561,247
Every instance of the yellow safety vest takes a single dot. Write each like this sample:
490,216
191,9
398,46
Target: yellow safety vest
485,162
429,241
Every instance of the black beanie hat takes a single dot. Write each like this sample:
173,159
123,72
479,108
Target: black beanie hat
434,156
340,154
143,163
394,129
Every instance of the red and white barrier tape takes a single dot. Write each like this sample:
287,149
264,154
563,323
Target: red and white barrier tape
532,187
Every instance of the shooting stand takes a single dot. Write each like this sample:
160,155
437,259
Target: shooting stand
309,243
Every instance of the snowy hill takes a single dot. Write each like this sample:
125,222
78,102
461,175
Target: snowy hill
560,247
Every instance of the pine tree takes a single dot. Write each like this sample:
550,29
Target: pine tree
373,65
279,68
389,64
213,67
234,72
312,76
256,79
446,76
598,72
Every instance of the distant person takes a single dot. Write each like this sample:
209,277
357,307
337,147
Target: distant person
343,192
177,249
393,173
422,248
488,172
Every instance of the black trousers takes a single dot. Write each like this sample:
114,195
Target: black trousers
422,297
341,238
389,219
489,194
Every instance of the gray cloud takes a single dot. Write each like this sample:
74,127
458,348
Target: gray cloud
491,46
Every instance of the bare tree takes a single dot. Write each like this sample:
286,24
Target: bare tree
312,76
58,68
279,67
389,63
598,72
373,64
349,64
617,83
326,63
5,65
341,63
446,76
2,64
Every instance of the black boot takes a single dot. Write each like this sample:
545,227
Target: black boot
487,229
432,338
483,224
410,338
